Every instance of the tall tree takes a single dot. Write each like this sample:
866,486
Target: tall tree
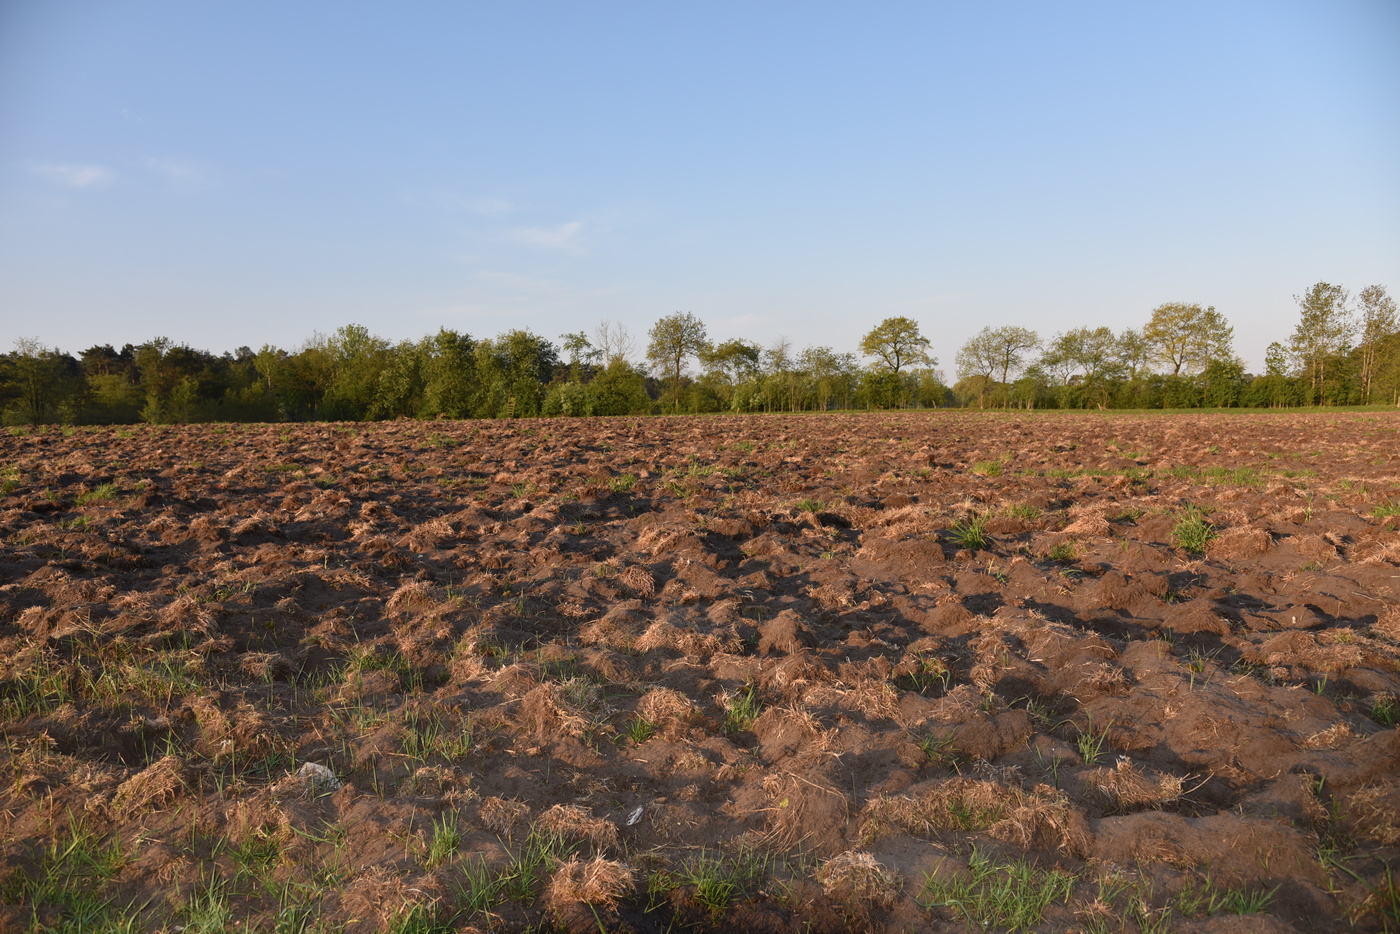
1323,332
1134,351
614,341
41,378
1187,336
1378,321
1087,352
1090,353
991,350
359,359
449,374
674,339
830,373
897,343
581,353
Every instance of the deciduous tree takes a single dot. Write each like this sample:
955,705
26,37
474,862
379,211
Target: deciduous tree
41,376
1186,336
674,339
1378,321
897,343
1323,332
614,341
994,350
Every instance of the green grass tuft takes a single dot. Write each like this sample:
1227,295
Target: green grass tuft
970,533
1010,895
1193,532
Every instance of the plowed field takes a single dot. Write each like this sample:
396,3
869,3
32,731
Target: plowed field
895,672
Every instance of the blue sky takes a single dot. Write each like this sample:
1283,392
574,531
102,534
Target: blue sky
229,173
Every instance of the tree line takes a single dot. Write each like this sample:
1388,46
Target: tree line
1343,351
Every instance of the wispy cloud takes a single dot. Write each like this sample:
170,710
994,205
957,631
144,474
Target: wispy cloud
179,173
73,174
560,237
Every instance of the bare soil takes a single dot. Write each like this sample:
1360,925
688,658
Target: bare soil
703,673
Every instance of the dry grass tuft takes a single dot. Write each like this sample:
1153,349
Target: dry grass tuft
575,823
1375,813
638,580
1330,738
568,707
1041,818
1239,543
1388,626
414,595
503,815
161,782
1126,786
599,882
671,712
803,809
856,877
186,613
1091,526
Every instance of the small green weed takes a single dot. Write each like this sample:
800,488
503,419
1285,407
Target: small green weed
718,880
930,672
431,735
1011,895
104,492
1193,532
989,468
208,912
1383,710
69,876
941,750
1025,511
542,852
1386,510
1200,898
641,730
970,533
1091,742
742,709
444,842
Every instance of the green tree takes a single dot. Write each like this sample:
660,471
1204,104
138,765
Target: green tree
581,353
512,371
897,343
619,389
449,375
1378,321
158,378
1134,352
359,358
993,350
674,339
830,374
1324,330
729,364
398,392
1088,356
41,379
1186,336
